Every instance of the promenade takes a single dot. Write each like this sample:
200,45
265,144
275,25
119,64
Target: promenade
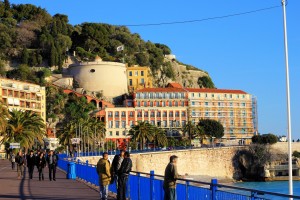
25,189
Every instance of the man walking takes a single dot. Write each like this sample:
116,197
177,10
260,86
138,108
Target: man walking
116,165
20,164
52,160
123,174
30,163
171,175
103,171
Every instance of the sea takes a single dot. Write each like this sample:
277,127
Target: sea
274,186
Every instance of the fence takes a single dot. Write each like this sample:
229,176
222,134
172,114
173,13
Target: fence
149,186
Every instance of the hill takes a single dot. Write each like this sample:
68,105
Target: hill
30,36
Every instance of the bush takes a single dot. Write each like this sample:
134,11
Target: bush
296,154
265,139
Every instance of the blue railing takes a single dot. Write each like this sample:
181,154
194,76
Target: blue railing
149,186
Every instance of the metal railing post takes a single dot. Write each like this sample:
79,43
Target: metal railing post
187,184
253,195
128,184
138,184
152,196
214,183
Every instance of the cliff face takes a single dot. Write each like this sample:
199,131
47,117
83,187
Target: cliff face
187,76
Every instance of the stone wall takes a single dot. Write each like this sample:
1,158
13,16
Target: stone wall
209,162
283,146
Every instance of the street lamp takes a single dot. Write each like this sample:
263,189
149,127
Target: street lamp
288,99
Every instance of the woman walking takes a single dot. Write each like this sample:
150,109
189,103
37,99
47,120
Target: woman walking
41,163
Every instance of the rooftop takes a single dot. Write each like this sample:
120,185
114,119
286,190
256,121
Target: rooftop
209,90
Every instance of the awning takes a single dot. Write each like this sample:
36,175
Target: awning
16,102
10,101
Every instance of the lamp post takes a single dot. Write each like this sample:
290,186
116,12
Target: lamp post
288,100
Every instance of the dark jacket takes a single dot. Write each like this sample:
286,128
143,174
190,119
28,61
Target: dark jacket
30,160
20,160
54,161
125,167
41,162
171,175
115,163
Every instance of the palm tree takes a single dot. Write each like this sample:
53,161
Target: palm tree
141,132
4,116
25,127
160,137
191,130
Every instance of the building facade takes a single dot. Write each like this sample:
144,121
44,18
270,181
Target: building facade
232,108
23,96
138,78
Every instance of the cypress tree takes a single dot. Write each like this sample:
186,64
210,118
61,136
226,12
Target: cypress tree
25,56
53,56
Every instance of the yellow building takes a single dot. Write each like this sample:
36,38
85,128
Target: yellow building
138,78
23,96
235,109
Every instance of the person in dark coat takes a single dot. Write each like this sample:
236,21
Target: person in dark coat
171,175
52,160
41,164
123,174
116,165
20,160
30,163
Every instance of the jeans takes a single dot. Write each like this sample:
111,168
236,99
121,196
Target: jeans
30,171
41,173
52,172
170,194
20,170
122,182
103,192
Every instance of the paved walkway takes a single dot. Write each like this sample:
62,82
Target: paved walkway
26,189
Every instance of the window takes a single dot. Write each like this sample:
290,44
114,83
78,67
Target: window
193,103
193,94
165,114
139,104
145,104
206,114
193,113
139,114
231,113
170,104
212,95
163,104
110,133
177,114
123,114
151,103
230,104
231,122
142,73
183,114
146,114
158,114
206,103
158,123
152,114
117,114
130,73
183,122
171,114
231,131
244,104
117,133
165,124
230,96
130,82
109,114
131,123
142,80
177,123
131,114
182,103
199,94
151,95
136,73
171,123
123,124
157,104
110,124
176,103
117,124
124,133
152,122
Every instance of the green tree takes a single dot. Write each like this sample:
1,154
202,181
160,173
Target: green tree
296,154
4,116
265,139
205,82
191,131
141,132
25,56
24,127
160,138
211,128
53,56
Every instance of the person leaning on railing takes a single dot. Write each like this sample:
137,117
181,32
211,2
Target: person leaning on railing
171,175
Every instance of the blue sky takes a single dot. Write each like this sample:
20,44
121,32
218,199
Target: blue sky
243,52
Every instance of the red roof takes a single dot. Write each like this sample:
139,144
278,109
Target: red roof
174,85
209,90
167,89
